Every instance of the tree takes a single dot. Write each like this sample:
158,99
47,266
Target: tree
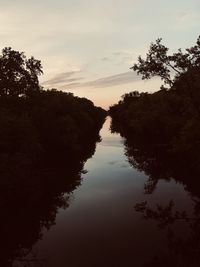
168,67
18,75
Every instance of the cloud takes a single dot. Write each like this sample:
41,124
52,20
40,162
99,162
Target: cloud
118,79
121,57
125,56
106,59
70,85
183,14
64,77
118,53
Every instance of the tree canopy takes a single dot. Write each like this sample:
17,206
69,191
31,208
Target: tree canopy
167,120
168,67
18,75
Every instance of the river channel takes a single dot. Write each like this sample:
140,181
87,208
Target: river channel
101,227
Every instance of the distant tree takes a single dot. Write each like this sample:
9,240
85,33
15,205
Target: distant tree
18,75
168,67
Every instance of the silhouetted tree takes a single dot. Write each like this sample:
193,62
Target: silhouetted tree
168,67
18,75
167,121
46,136
162,139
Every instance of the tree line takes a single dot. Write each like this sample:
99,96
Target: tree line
46,136
162,139
167,122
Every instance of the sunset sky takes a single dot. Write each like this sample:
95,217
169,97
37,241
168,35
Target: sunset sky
87,46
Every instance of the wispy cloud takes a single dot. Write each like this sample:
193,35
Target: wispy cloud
61,78
118,79
106,59
120,57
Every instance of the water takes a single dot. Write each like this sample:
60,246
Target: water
101,227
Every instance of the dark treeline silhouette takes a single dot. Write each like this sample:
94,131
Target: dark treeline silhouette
162,139
41,125
166,122
45,139
48,126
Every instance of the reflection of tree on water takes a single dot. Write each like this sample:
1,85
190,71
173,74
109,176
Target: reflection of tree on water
184,248
157,164
29,202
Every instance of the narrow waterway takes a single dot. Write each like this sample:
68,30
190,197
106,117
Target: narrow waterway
101,227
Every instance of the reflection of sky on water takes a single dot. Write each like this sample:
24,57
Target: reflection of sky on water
100,227
112,141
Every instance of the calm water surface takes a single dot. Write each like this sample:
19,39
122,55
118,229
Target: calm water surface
101,227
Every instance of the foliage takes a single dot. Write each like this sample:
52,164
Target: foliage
168,67
18,75
38,124
45,138
162,139
165,122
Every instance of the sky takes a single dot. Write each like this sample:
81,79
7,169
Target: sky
87,46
